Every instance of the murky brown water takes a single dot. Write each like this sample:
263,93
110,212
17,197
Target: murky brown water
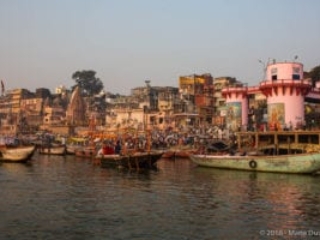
71,198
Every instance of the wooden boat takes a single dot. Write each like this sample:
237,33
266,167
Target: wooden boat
74,144
291,163
52,150
86,151
71,149
137,160
17,154
178,153
27,149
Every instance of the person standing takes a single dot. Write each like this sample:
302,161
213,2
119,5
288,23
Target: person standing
117,148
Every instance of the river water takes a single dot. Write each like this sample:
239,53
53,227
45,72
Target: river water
57,197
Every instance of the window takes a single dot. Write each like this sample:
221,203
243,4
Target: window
274,72
296,73
296,76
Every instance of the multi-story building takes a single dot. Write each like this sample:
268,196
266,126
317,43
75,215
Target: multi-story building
193,85
195,100
32,112
148,105
146,96
42,93
219,84
10,110
12,100
204,102
282,97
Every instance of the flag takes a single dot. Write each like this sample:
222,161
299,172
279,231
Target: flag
2,87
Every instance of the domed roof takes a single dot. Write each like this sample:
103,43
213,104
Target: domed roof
76,108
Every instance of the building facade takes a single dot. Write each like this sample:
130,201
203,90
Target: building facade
284,91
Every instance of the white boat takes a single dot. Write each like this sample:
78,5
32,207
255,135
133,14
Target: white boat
75,144
52,150
71,148
18,154
294,163
26,149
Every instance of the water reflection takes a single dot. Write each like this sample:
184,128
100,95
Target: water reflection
14,168
276,201
70,198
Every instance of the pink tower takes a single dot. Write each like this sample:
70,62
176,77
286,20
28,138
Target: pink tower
285,90
236,107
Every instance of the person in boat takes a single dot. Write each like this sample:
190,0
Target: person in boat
63,141
240,152
108,149
117,148
100,152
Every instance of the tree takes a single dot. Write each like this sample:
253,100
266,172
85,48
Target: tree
88,82
314,74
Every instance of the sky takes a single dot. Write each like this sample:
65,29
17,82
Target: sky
126,42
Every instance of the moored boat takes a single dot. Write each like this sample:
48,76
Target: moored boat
137,160
76,144
178,153
52,150
86,151
291,163
17,154
282,152
27,149
71,149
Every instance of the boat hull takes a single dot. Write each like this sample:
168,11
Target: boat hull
61,150
86,152
17,155
300,163
71,149
135,161
178,153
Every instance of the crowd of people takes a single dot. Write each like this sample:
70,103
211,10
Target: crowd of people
160,140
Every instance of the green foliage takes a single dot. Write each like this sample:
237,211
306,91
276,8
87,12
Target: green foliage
88,82
314,74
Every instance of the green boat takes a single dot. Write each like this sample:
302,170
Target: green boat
303,163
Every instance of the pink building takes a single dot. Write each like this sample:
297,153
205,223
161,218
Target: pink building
285,90
237,107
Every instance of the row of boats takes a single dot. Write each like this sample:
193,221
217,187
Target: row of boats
304,160
132,159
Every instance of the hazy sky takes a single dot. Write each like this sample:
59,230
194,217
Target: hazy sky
43,42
